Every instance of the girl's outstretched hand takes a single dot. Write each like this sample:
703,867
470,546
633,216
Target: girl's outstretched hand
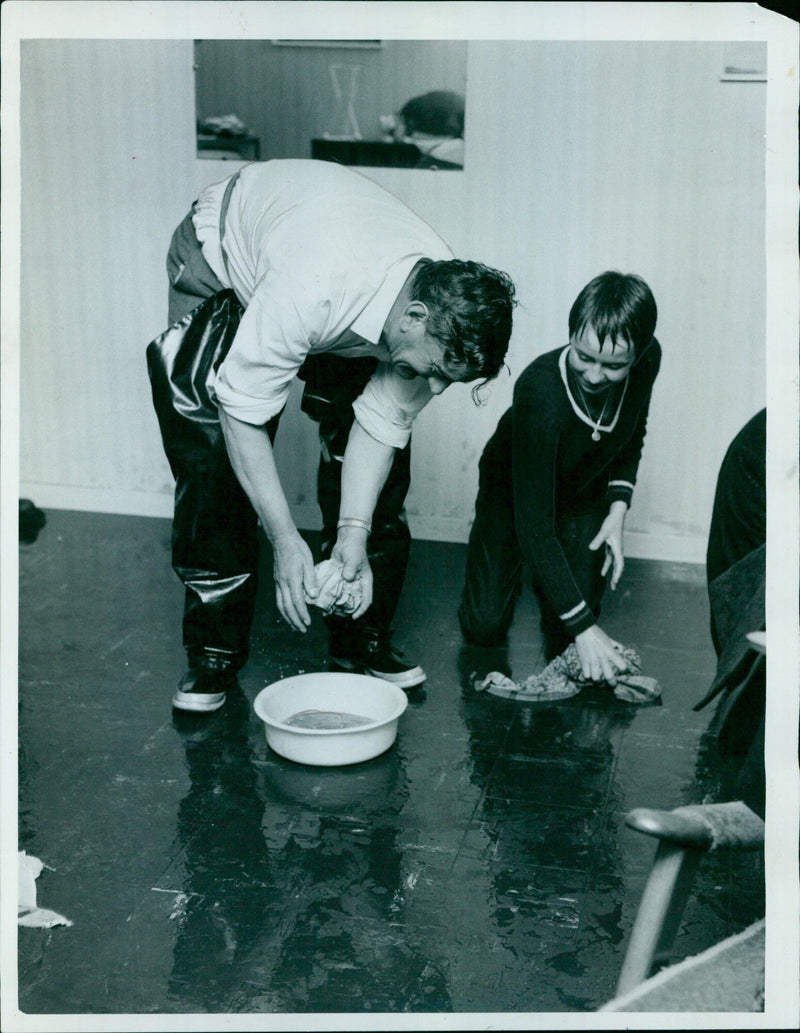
610,533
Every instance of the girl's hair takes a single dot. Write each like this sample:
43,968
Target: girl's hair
616,305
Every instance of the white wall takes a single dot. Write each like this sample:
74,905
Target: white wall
108,157
580,157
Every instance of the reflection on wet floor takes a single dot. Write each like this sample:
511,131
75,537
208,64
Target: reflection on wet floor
481,864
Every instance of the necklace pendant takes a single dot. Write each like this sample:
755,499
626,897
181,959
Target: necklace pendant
595,435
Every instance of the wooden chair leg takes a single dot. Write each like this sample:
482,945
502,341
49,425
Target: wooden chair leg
660,911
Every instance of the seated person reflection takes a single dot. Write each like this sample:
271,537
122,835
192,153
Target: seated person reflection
426,133
434,123
557,478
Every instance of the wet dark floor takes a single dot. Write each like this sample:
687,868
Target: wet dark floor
480,865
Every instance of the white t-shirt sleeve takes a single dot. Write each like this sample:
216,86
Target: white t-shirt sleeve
387,406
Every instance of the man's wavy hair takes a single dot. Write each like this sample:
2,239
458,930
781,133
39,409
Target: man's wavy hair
469,312
616,305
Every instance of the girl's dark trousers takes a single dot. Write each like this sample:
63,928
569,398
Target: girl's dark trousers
494,568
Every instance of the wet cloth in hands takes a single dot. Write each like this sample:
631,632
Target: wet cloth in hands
563,677
335,595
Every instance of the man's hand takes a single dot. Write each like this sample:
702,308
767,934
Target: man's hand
611,533
351,551
294,574
600,655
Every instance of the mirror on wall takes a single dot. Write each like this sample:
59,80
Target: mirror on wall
397,103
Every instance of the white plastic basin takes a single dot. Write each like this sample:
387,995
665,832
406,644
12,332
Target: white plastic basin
373,698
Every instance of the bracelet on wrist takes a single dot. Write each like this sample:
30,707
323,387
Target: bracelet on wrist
354,522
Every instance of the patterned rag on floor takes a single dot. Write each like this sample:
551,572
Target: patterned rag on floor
335,595
563,677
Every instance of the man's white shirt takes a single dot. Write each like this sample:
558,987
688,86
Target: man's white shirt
317,254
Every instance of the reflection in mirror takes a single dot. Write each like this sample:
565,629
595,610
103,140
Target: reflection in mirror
393,103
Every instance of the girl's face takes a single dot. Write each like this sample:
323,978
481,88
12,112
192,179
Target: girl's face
598,364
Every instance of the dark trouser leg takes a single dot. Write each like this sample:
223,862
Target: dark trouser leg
388,545
574,534
214,542
492,580
752,784
214,551
740,735
332,385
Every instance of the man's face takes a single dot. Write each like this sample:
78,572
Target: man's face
416,353
425,358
